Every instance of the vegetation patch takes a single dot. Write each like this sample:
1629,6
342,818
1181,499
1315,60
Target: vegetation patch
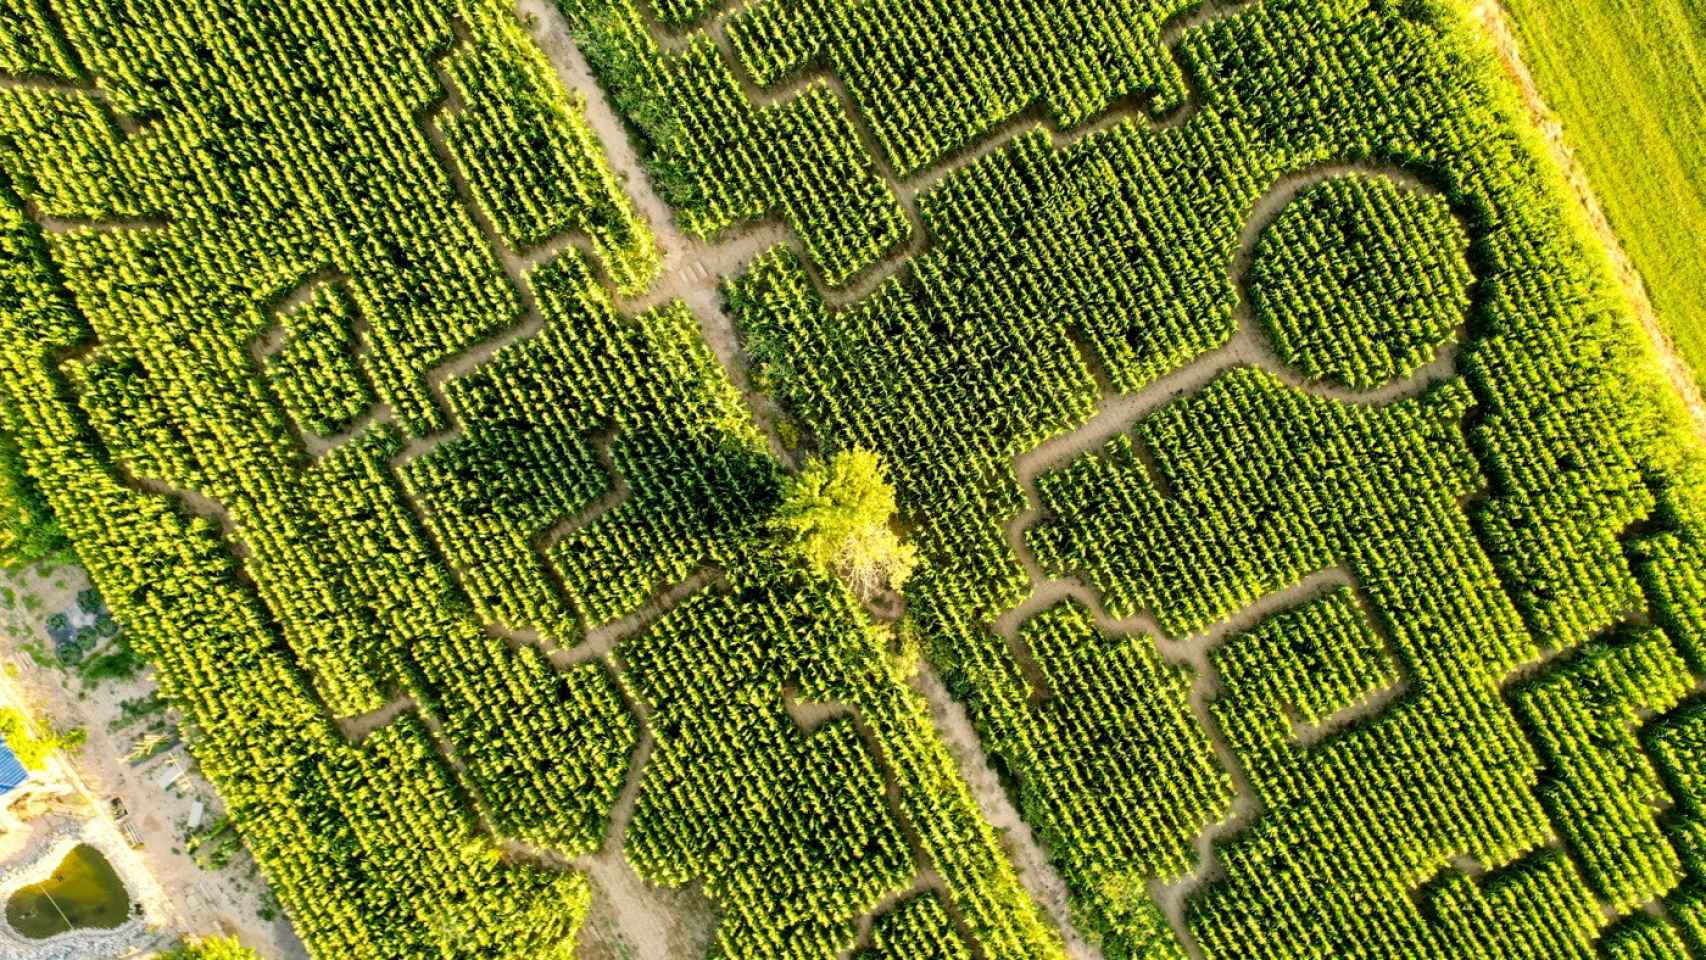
1628,80
1359,282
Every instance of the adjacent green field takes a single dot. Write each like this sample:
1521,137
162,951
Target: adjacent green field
1287,501
1628,80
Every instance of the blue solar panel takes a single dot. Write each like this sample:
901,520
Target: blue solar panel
12,773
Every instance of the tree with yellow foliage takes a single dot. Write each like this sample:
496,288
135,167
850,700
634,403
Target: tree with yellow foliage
835,516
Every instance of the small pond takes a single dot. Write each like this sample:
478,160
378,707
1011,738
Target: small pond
84,892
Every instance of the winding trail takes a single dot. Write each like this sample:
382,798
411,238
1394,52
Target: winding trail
1248,346
357,728
693,269
668,923
1118,414
655,921
1196,651
808,715
651,919
1028,853
692,273
671,923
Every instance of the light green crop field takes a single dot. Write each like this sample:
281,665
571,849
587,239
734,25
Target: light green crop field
1628,78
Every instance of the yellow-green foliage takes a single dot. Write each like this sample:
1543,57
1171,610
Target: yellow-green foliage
361,559
1628,79
27,531
211,948
31,740
835,516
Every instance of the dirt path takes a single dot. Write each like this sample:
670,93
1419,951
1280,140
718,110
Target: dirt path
657,923
1116,415
1248,346
1029,855
1247,807
692,273
650,920
668,923
357,728
1495,25
693,270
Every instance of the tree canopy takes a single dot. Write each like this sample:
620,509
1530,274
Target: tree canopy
835,518
32,741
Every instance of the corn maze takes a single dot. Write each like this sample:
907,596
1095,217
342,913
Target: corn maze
1303,529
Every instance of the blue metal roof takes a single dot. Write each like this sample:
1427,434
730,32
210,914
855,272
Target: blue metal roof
12,773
